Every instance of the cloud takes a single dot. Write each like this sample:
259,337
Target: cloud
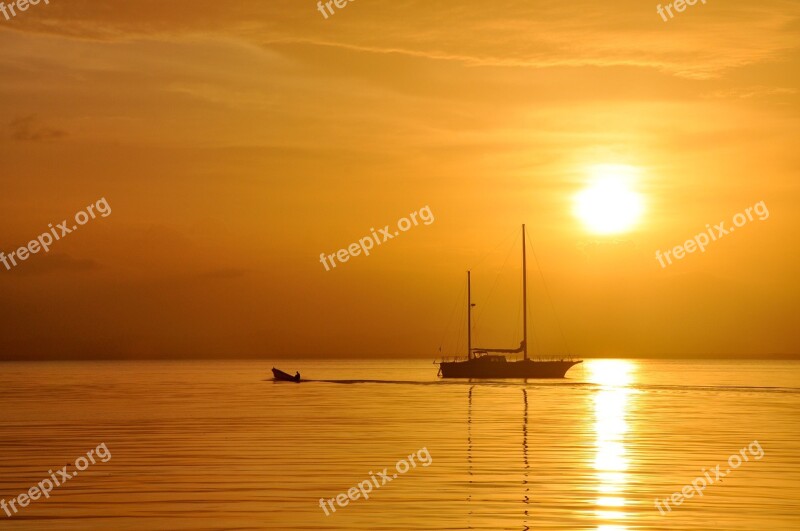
702,44
51,263
750,92
225,273
28,129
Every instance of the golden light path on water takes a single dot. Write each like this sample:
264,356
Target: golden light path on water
610,426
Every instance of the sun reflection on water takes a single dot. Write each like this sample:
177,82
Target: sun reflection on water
610,426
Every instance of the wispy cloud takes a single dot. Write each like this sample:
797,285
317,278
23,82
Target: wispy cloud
702,44
226,273
44,264
29,129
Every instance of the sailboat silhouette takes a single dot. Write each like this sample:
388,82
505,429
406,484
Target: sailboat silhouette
488,363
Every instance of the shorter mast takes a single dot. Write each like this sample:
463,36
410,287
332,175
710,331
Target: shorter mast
469,318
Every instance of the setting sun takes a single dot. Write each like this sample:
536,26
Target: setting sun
609,205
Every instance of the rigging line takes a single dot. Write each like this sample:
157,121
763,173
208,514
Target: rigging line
457,349
450,319
460,334
517,322
550,299
536,346
493,251
475,336
485,304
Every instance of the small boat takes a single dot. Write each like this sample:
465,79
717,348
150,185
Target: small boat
284,377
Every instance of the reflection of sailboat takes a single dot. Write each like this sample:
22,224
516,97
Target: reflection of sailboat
525,482
469,448
481,364
526,499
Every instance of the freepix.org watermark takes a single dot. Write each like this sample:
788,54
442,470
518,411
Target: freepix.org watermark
341,4
19,5
700,483
376,238
46,239
363,488
56,479
679,5
713,234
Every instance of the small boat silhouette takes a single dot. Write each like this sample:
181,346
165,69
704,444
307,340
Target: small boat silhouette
284,377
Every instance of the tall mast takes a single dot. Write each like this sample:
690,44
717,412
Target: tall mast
524,297
469,319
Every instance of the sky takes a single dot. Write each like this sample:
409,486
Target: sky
235,142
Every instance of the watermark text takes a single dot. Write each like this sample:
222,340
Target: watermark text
719,230
364,488
56,479
45,240
701,482
383,235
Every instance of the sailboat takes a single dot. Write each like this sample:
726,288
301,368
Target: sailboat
490,362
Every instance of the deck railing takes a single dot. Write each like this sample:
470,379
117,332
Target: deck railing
509,358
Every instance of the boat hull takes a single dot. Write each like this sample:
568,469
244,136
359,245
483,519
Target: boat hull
284,377
492,367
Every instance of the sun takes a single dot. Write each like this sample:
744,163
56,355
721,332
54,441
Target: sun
609,204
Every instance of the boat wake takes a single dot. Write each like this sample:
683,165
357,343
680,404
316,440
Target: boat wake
547,383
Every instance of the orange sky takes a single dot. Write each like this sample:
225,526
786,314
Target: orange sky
236,141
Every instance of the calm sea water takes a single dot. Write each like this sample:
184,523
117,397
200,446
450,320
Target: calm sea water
212,445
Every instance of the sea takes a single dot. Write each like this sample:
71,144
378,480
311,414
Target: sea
387,445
